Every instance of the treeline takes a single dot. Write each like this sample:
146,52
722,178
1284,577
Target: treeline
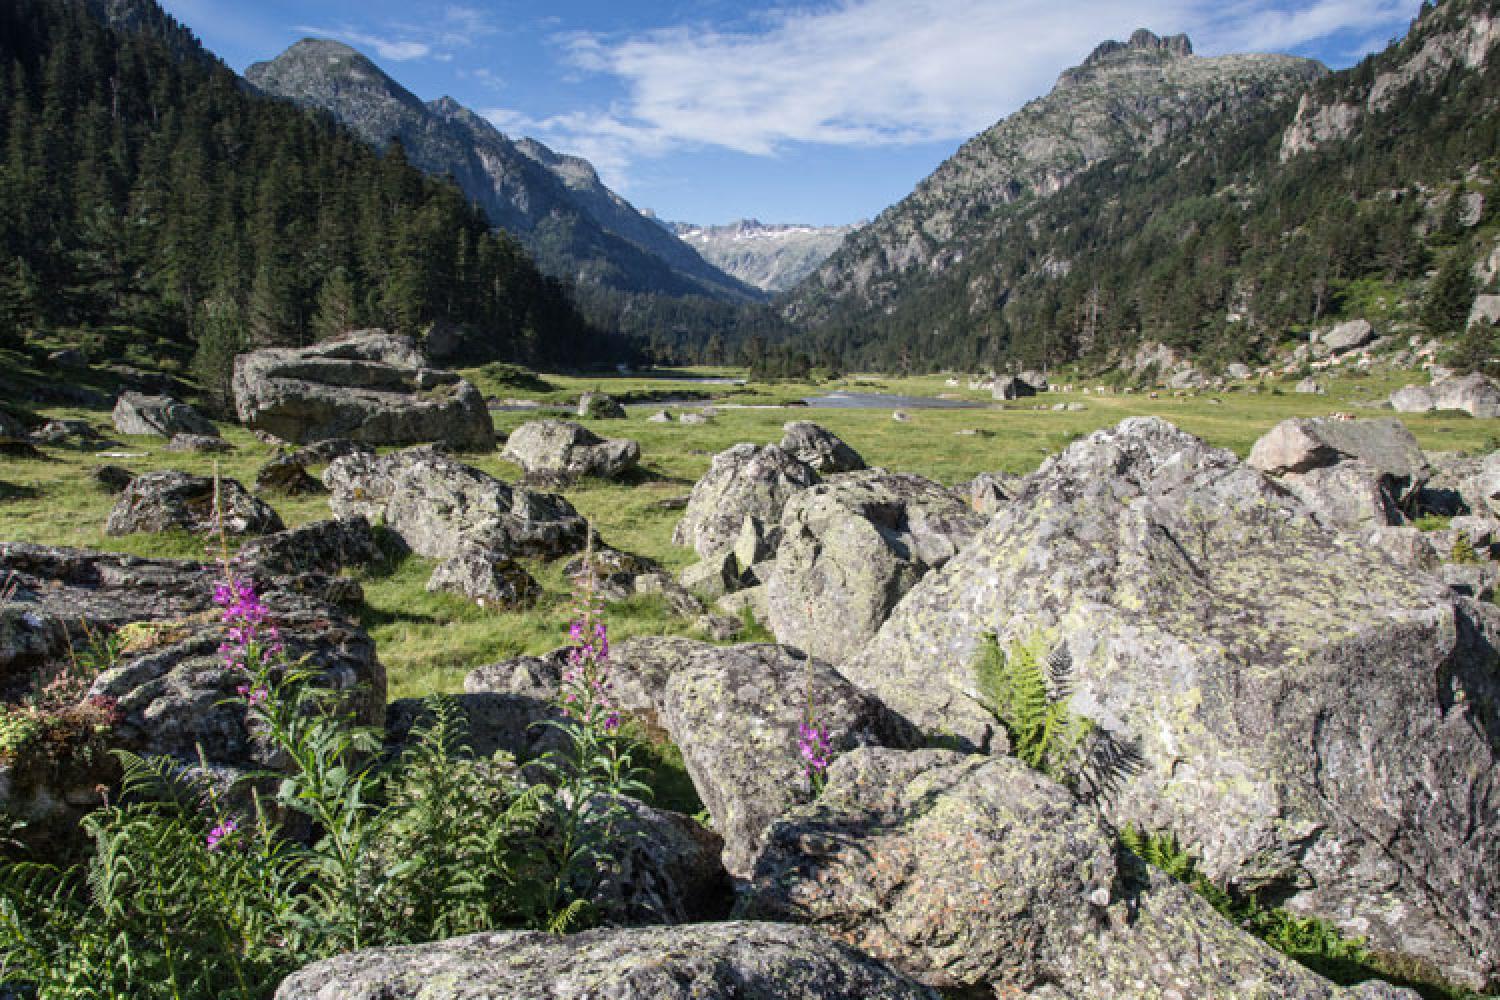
145,189
1211,243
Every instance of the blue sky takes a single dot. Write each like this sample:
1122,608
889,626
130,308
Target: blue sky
821,113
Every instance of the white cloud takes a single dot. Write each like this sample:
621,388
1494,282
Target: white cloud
879,72
457,28
390,49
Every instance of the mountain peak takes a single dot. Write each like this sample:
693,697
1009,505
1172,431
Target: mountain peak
310,68
1141,41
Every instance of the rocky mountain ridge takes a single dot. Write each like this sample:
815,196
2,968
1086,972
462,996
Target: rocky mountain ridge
1125,98
774,258
555,205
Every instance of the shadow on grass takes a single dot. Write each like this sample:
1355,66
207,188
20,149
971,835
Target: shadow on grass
11,491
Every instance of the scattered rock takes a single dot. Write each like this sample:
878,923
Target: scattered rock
1012,387
325,547
439,506
170,501
1187,378
487,577
745,481
1354,473
288,477
988,491
977,872
851,549
1239,371
715,961
1216,629
199,443
1311,387
1486,309
694,419
735,710
659,417
1413,399
61,432
570,451
598,406
668,869
719,628
900,416
329,450
1476,395
368,386
163,416
821,450
717,575
752,599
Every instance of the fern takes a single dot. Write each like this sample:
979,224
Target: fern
1026,690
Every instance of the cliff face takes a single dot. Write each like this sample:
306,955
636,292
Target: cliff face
1125,98
555,205
773,258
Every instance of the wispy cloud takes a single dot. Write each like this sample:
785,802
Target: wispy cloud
458,27
879,72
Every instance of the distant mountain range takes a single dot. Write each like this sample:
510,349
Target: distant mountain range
554,204
773,258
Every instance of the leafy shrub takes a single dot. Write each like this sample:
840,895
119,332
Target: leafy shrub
1432,522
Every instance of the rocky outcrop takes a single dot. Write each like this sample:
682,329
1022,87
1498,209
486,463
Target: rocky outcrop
819,449
169,683
1351,473
1476,395
162,416
972,872
568,451
726,961
1216,629
744,482
735,710
439,507
325,547
851,549
486,577
369,386
177,501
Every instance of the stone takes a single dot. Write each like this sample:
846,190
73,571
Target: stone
1011,387
1347,336
199,443
819,449
1310,387
1216,629
667,868
1487,484
659,417
751,599
989,491
111,478
1385,446
1186,378
750,546
1037,380
169,682
734,712
719,628
486,577
615,572
1239,371
679,599
368,386
570,451
713,961
978,873
694,419
599,406
1455,486
717,575
1352,495
328,450
1477,395
851,549
176,501
162,416
288,477
325,547
61,432
1407,545
1486,309
495,722
745,481
900,416
1413,399
439,506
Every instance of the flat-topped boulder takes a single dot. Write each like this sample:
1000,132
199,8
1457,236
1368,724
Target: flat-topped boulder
162,416
1216,629
1353,473
370,386
440,507
744,481
715,961
851,549
1347,336
1477,395
568,451
177,501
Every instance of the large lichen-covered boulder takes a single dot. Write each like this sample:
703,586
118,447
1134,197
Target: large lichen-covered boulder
745,481
162,416
491,579
317,547
169,682
1307,714
177,501
1476,395
735,710
569,450
440,507
1352,473
850,549
820,449
716,961
369,386
1347,336
969,871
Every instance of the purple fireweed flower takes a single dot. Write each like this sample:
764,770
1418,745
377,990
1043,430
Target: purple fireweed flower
220,833
814,745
